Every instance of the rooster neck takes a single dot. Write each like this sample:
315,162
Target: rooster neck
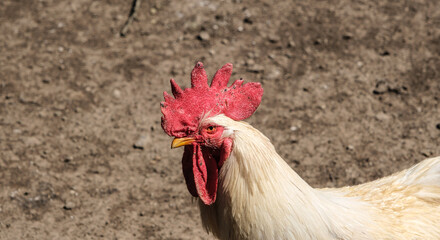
261,197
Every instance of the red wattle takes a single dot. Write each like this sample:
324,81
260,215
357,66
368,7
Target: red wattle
205,175
201,172
187,168
200,167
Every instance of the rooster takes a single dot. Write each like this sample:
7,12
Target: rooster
247,191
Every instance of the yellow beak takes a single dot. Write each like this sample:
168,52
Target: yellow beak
178,142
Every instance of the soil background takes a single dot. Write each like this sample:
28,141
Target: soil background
352,94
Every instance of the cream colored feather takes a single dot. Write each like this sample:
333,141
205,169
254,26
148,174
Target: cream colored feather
261,197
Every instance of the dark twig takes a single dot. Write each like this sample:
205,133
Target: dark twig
134,9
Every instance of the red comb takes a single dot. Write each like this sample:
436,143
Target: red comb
181,115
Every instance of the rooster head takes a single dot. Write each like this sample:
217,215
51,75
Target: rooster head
205,147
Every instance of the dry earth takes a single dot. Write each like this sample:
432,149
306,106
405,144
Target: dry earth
351,95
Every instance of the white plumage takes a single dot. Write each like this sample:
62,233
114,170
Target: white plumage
261,197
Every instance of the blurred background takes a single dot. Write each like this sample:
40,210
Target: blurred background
351,94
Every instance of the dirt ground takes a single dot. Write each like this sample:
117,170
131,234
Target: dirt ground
352,93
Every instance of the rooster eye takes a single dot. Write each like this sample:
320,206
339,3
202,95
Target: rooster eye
210,129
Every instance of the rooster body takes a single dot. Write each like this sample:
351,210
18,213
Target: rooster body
261,197
247,191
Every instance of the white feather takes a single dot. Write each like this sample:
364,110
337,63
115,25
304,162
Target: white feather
261,197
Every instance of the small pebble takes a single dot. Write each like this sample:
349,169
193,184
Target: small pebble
273,73
382,116
293,128
69,205
381,87
256,68
117,93
204,36
16,131
273,38
426,152
141,142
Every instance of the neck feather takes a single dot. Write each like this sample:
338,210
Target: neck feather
261,197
